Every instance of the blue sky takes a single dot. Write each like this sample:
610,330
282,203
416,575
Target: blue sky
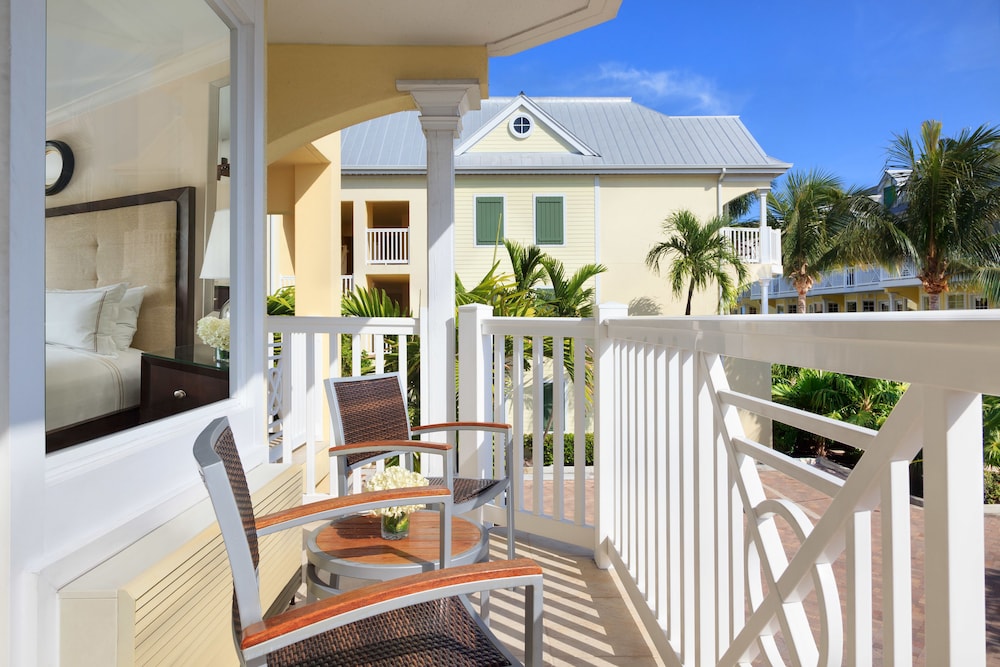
819,84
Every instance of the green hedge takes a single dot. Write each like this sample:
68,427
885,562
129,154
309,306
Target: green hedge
568,449
991,486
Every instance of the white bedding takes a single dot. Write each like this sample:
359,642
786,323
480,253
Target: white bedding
81,385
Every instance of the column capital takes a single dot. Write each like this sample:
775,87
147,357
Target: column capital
442,102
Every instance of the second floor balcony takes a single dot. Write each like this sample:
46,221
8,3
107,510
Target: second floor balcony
388,246
754,245
731,552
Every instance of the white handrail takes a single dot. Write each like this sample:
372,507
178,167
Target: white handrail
295,389
389,246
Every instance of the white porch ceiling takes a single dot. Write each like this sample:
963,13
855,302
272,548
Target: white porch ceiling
96,45
503,27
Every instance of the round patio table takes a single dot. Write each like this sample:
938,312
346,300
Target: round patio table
354,547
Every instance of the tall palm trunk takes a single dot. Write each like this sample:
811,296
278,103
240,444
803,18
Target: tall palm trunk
687,311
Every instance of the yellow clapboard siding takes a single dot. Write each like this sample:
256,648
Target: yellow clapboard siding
472,261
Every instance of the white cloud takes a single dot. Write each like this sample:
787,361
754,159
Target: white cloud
690,92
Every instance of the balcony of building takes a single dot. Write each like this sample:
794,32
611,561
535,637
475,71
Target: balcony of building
727,551
756,246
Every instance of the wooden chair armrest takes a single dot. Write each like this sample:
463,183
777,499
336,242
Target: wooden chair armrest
463,426
301,622
333,508
389,446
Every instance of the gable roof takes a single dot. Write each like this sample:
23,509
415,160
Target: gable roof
613,135
522,103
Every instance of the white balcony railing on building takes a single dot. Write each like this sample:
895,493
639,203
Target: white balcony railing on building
389,246
676,502
746,241
346,283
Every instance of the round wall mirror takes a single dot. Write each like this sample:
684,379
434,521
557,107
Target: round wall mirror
58,166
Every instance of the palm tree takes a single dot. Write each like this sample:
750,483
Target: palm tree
950,208
808,212
568,296
699,255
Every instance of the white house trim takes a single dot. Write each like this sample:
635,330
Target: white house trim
523,103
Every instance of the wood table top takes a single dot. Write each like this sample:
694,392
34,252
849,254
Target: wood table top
359,539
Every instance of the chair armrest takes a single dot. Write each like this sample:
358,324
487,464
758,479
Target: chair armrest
390,446
489,427
303,622
333,508
494,427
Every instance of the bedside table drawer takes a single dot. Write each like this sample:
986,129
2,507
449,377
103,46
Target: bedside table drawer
169,388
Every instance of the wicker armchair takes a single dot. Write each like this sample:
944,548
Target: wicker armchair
423,619
370,422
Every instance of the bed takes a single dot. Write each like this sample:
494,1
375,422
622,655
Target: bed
126,264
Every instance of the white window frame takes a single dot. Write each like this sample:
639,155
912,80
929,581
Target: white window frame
513,122
955,297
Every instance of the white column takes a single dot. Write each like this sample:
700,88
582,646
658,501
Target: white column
765,245
764,285
765,250
475,389
953,516
27,603
441,104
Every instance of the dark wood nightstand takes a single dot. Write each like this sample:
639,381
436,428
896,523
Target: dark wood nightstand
180,379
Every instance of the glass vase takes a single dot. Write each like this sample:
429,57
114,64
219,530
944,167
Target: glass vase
395,527
221,355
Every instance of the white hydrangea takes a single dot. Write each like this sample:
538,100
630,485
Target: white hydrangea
214,332
395,477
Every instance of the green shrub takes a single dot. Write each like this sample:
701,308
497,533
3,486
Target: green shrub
991,486
568,449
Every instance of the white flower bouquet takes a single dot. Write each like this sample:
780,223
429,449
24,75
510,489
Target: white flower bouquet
214,332
395,477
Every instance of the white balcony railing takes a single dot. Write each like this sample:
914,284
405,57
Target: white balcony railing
389,246
746,241
719,572
346,283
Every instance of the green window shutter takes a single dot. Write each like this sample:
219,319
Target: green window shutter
549,221
489,216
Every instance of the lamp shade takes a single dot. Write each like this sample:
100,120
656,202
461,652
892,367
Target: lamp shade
216,263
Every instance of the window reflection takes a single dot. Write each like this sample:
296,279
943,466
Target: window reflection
133,91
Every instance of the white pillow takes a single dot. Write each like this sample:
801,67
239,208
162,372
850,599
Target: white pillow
128,315
84,319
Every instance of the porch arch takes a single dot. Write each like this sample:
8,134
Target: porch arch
317,89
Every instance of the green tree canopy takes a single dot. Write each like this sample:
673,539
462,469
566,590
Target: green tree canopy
809,210
946,220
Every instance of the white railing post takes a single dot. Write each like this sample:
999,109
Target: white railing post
605,386
475,382
953,514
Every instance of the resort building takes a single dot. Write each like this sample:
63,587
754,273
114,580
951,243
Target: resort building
589,180
863,289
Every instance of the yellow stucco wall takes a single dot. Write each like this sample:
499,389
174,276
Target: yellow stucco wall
316,89
632,210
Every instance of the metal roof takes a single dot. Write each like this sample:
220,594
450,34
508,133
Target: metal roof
626,137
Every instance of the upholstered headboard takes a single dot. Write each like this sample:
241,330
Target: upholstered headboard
145,239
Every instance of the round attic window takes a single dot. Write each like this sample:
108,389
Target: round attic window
521,126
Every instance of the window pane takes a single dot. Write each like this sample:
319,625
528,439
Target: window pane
489,220
549,220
